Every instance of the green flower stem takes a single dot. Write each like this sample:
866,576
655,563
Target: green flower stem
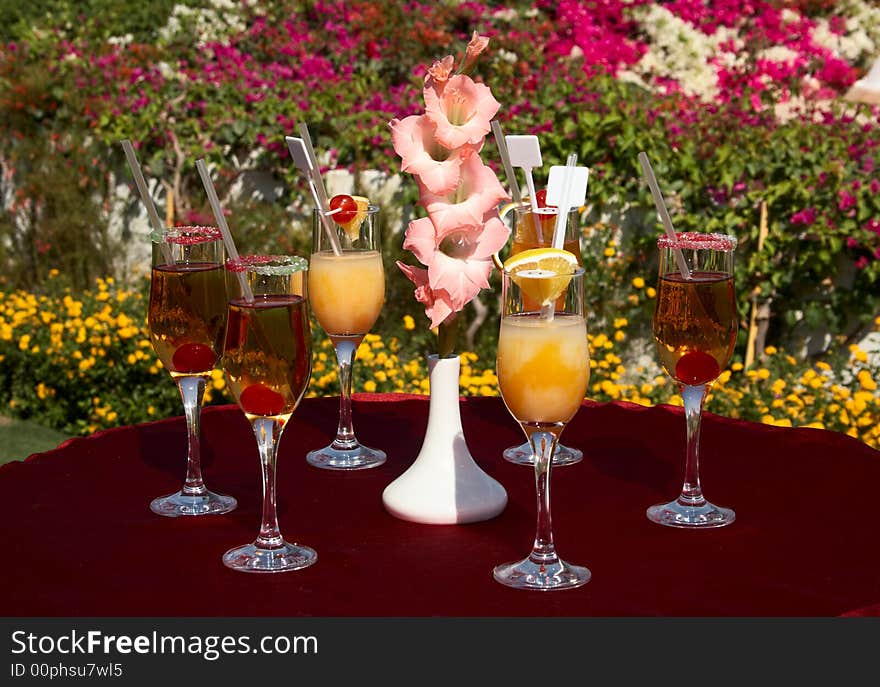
447,334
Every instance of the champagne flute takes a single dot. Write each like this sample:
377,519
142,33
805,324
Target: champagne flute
525,237
267,358
187,313
346,293
543,372
695,324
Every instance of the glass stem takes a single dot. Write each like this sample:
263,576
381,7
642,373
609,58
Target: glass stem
192,391
268,432
346,350
543,443
691,492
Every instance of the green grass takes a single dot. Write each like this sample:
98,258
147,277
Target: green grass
20,438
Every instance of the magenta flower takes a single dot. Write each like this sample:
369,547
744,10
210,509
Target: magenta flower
806,217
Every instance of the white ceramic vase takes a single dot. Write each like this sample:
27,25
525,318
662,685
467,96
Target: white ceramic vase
444,486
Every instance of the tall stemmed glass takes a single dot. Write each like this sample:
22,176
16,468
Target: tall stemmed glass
186,317
695,324
267,358
526,236
346,293
543,372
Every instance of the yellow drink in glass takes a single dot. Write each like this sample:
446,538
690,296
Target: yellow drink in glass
346,291
543,366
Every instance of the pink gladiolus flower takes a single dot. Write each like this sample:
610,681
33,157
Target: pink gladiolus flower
437,304
459,259
478,192
438,73
461,111
438,167
476,46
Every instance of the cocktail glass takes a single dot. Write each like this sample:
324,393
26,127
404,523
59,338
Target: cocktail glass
187,313
695,325
267,359
346,293
543,372
526,236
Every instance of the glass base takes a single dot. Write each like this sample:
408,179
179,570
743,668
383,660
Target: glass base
358,458
563,455
527,574
251,558
677,514
180,504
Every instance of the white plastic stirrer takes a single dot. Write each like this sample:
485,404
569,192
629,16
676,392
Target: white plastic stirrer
141,184
663,212
231,250
566,189
304,158
500,141
525,152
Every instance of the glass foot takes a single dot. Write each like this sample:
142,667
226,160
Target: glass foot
677,514
251,558
179,504
358,458
527,574
563,455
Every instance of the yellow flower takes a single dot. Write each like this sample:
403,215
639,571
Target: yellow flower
736,367
770,350
369,386
409,323
610,252
638,282
620,322
865,381
650,292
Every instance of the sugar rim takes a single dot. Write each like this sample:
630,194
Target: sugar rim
271,265
695,240
187,235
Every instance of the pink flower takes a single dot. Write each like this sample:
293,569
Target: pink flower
437,304
459,259
438,73
476,46
806,216
438,167
478,191
461,111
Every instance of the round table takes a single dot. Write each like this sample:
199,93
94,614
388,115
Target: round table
79,539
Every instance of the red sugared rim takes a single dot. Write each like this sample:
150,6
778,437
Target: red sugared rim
694,240
190,235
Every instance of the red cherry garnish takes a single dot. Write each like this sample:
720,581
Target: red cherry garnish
347,208
261,400
193,357
541,198
696,367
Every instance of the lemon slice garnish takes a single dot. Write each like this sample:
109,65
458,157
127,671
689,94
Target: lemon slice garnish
352,228
542,273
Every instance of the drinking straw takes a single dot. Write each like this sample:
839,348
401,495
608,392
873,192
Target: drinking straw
562,210
304,158
505,160
231,251
664,213
141,184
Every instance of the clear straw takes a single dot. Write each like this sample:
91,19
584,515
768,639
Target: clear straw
318,191
664,213
231,251
141,184
501,143
562,210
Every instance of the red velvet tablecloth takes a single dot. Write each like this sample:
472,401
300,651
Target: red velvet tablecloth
78,538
